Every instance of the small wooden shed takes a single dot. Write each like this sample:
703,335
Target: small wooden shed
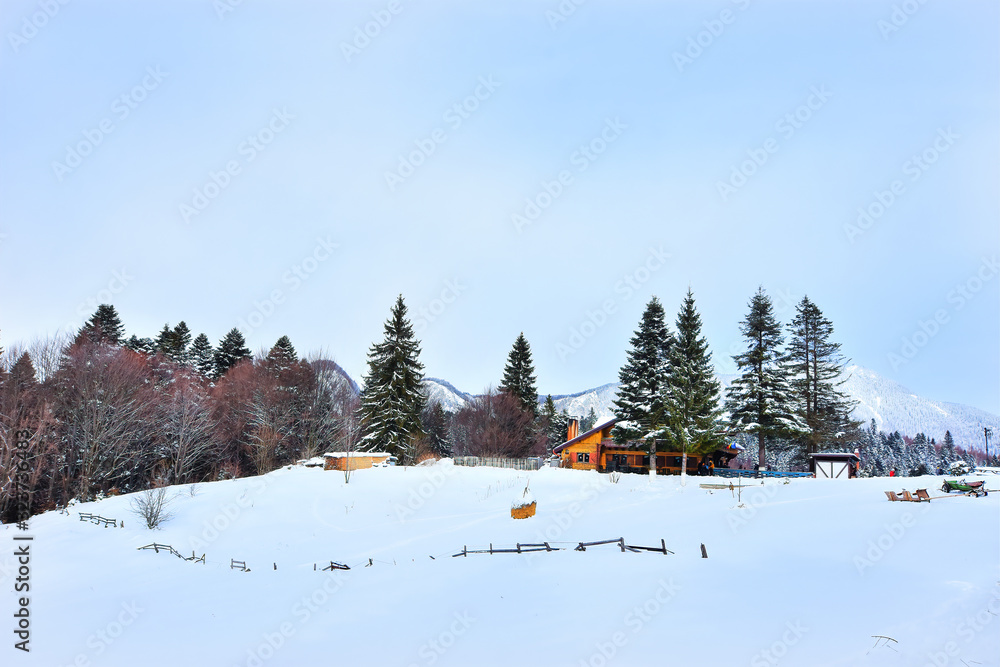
353,460
834,465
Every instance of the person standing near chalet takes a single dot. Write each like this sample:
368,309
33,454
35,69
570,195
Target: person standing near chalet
711,468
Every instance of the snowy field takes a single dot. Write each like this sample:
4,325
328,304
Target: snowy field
804,573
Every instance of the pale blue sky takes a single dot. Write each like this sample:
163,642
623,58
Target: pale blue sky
673,134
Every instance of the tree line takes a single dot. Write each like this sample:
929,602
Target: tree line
112,414
109,414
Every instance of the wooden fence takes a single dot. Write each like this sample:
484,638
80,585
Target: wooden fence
93,518
532,463
156,547
581,546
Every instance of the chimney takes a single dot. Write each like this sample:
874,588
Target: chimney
574,428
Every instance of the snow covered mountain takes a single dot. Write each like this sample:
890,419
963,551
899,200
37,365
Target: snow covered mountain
890,404
450,398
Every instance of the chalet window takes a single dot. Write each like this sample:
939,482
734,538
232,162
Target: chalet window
579,457
586,458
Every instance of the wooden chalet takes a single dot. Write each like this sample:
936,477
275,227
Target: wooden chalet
833,465
596,450
353,460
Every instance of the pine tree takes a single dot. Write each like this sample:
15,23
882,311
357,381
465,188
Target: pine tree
392,399
588,422
759,401
874,458
181,340
202,356
948,454
519,376
232,350
922,457
553,424
639,403
104,326
282,356
142,345
435,424
691,395
165,342
816,366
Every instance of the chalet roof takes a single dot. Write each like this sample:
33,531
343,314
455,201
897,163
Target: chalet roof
599,427
340,455
836,456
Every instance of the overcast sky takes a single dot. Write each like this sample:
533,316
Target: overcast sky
290,167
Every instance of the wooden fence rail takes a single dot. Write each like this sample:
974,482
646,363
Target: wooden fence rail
581,546
95,519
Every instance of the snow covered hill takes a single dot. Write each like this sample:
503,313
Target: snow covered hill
806,573
450,398
891,405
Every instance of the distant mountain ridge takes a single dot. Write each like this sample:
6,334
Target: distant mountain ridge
890,404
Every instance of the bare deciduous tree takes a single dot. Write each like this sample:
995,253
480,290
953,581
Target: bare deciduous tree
151,506
495,424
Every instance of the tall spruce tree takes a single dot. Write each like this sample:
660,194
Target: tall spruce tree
282,356
553,424
165,342
588,422
202,355
181,341
760,401
519,376
231,351
691,395
104,326
435,422
639,403
392,398
816,366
